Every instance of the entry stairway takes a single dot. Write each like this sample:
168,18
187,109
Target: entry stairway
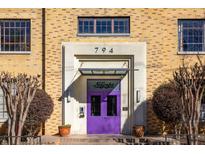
82,140
106,140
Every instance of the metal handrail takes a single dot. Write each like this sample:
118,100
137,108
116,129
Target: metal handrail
24,140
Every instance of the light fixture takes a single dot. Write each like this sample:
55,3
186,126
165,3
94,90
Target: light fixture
68,97
138,96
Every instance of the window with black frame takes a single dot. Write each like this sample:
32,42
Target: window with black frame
191,35
3,110
95,105
15,35
111,105
103,26
202,110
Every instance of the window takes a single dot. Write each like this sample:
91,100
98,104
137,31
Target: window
95,105
3,111
111,105
15,35
191,36
202,110
103,26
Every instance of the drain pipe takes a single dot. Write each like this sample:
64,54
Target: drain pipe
63,85
43,56
43,46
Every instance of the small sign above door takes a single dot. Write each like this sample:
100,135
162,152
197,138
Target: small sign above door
103,85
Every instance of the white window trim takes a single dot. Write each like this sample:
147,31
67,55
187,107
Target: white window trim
16,52
191,53
103,34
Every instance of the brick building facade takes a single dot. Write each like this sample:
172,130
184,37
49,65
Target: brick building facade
50,28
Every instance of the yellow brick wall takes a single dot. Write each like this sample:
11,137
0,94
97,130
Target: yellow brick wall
157,27
24,63
28,63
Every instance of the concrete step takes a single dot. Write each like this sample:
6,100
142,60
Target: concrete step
87,140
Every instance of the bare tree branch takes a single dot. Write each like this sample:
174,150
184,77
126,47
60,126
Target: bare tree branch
190,82
19,92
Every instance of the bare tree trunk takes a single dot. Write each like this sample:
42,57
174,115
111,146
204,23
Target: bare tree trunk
195,138
9,131
190,133
19,92
19,130
18,140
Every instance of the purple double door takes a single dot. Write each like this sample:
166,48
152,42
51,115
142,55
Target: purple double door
103,107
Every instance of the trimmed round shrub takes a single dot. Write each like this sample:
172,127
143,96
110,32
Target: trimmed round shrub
40,110
167,103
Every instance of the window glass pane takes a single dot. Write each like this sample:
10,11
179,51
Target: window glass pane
6,47
27,48
2,47
121,25
95,105
80,26
17,24
17,38
192,32
112,105
14,33
86,28
23,47
11,47
2,39
103,26
202,110
11,31
22,31
11,24
17,31
22,39
3,111
86,25
80,29
1,115
1,107
28,24
11,39
22,24
6,31
28,31
6,24
28,39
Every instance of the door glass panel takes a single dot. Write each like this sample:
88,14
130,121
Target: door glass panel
111,105
95,105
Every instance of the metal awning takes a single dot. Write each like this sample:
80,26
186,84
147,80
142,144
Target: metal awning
103,71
